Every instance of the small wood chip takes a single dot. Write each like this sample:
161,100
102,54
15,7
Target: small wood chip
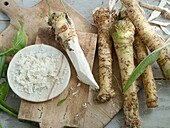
84,105
78,85
75,93
77,115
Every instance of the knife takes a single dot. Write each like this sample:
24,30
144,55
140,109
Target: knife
65,33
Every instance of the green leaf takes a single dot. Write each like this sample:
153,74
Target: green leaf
8,111
4,88
19,41
120,13
7,107
150,59
5,70
41,15
49,10
1,125
64,7
61,101
2,61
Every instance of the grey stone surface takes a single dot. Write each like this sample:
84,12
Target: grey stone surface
3,25
150,118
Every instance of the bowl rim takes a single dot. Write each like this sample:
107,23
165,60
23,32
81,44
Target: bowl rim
22,51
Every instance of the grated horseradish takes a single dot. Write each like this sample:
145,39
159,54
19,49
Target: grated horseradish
36,71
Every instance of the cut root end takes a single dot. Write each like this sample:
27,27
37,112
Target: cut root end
105,96
152,104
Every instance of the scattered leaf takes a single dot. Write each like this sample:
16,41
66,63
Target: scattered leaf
150,59
64,7
8,111
2,62
4,88
49,10
1,125
19,41
41,15
7,107
61,101
5,70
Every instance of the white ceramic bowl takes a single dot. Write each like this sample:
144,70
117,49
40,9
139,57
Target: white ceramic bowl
54,89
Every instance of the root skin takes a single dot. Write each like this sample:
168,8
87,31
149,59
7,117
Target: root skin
123,37
147,76
151,39
102,19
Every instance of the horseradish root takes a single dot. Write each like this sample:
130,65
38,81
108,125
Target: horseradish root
66,35
123,37
164,11
151,39
147,76
102,19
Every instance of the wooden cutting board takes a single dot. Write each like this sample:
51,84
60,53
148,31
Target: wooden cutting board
71,112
